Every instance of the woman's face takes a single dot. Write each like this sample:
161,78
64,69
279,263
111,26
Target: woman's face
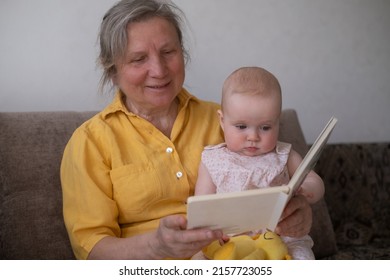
152,73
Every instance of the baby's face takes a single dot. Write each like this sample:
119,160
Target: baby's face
250,123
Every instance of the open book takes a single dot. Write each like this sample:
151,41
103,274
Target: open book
249,210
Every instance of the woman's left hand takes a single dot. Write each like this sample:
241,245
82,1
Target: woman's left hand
296,220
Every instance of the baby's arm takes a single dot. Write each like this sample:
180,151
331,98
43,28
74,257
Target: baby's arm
313,186
204,183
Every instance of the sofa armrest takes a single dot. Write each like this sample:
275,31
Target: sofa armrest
291,131
322,230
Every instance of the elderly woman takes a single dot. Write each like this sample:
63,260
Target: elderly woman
127,172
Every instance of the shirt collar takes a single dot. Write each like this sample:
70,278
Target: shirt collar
117,104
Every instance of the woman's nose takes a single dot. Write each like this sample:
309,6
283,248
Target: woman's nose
157,67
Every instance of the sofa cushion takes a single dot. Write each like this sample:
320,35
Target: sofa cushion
377,249
31,146
358,176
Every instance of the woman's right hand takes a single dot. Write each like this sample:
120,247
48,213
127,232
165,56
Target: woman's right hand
170,240
173,240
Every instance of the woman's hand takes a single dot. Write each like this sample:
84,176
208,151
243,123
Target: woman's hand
296,219
173,240
170,240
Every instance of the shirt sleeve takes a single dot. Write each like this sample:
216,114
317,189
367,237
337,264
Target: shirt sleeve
90,213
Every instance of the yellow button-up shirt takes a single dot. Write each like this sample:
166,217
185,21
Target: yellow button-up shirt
120,174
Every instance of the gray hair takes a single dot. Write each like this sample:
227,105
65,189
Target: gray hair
113,30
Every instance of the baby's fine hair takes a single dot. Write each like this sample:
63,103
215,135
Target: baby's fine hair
251,80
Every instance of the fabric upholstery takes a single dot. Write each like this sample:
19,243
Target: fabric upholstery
358,194
31,146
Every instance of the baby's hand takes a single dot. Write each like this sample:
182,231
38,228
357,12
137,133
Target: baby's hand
224,239
309,195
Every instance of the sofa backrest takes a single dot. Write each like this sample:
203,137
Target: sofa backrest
31,220
31,147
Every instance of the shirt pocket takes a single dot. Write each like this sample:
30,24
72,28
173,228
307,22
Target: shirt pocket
135,188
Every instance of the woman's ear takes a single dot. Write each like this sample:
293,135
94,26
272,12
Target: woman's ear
114,75
114,80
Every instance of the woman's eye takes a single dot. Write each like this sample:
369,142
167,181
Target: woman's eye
138,59
168,52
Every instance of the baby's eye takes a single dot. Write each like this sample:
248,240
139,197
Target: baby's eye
265,128
241,126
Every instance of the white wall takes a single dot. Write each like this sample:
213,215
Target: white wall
332,57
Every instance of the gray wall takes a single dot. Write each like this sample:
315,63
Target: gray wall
332,57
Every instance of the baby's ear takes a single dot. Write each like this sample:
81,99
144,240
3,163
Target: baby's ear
220,116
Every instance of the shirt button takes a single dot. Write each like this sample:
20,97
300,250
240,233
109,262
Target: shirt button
169,150
179,175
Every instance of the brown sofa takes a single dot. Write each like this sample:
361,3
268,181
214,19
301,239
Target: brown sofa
357,177
31,221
